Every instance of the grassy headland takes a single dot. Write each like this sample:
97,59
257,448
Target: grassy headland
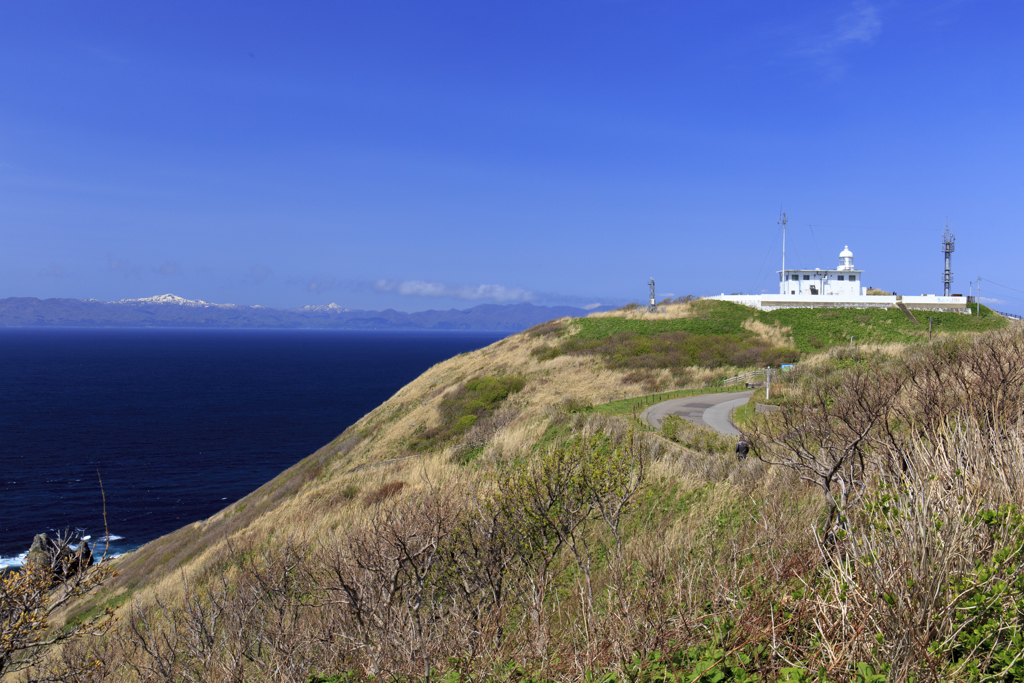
503,518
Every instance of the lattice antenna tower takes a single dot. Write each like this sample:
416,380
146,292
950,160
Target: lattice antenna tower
948,245
654,301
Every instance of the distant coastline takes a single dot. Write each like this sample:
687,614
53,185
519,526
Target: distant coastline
169,311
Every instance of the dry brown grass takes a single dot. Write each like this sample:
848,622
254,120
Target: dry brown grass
712,541
316,494
664,312
775,335
632,610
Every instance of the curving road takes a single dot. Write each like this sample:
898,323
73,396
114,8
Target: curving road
710,410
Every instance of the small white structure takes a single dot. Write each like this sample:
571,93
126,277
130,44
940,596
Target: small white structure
844,280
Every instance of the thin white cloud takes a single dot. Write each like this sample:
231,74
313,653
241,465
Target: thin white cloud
986,300
860,26
467,292
590,307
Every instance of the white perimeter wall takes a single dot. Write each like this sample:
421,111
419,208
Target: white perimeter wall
770,302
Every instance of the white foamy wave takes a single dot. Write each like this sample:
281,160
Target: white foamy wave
111,538
16,561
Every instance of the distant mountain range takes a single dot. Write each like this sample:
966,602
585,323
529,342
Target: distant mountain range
168,310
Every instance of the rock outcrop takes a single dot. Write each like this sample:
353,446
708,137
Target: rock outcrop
59,555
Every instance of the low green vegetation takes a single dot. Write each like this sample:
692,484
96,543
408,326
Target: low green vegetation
741,416
477,399
817,329
708,318
693,436
811,329
680,351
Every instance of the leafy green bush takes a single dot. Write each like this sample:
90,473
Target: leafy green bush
989,638
476,400
546,352
670,427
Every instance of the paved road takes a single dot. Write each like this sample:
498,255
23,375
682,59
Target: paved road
711,410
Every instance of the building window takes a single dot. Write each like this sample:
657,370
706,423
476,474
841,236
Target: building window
796,277
853,278
807,277
840,278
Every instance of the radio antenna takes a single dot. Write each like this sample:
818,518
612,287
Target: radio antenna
782,222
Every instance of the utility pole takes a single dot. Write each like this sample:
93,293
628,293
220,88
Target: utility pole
768,383
782,222
948,245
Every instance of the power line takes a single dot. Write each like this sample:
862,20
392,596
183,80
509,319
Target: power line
763,263
851,227
1004,296
999,285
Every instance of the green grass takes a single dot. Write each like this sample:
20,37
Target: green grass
812,329
711,318
815,329
742,415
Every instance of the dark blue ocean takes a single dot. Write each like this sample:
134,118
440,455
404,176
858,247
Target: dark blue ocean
179,423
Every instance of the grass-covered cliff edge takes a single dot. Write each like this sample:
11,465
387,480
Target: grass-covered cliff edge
496,519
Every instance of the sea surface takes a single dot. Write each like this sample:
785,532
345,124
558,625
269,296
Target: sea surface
178,423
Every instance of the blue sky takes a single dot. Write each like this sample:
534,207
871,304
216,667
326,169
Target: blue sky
440,154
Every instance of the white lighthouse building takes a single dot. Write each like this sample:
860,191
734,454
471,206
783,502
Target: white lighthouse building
840,287
844,280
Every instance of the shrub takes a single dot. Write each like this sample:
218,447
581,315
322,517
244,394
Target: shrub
466,408
546,352
670,427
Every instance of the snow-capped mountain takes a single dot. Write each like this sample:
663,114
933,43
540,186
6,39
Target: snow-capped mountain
174,300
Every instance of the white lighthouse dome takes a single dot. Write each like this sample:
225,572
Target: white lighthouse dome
845,259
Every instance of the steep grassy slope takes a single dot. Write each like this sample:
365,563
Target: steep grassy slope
316,486
699,525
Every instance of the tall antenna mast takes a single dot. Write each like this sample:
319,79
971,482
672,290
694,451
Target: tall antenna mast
948,240
782,222
653,306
